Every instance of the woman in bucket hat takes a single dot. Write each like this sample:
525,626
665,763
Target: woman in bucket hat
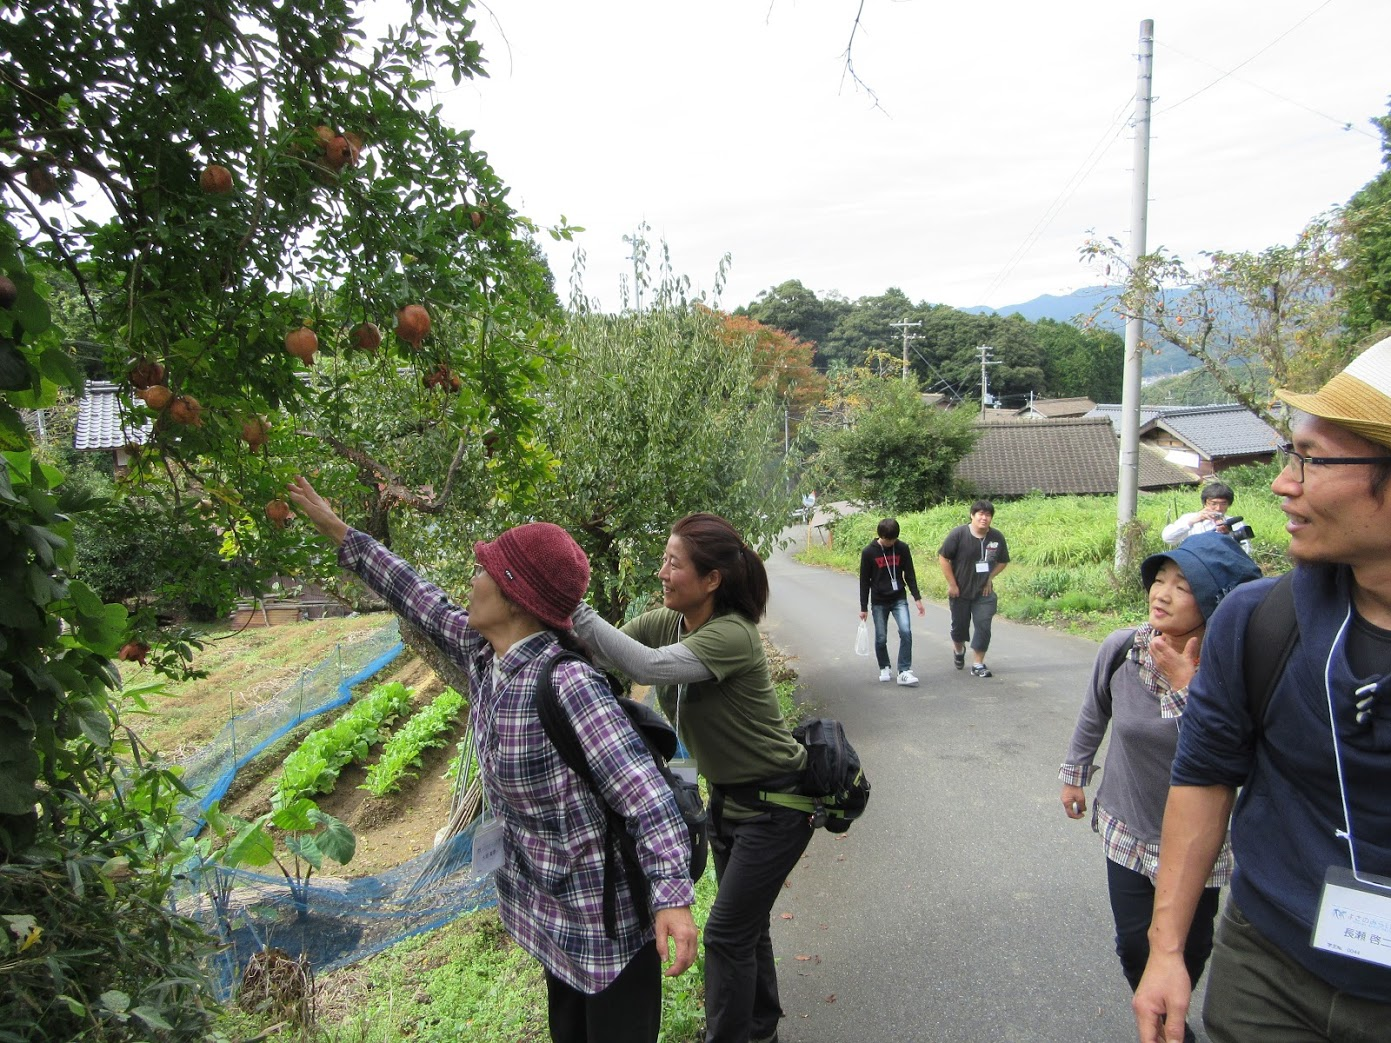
703,652
550,883
1139,687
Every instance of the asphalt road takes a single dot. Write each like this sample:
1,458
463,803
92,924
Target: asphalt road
964,906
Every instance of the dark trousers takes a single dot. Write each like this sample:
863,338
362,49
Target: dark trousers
628,1011
752,859
967,613
1132,905
1257,994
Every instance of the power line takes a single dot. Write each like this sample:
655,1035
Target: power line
1098,151
1232,74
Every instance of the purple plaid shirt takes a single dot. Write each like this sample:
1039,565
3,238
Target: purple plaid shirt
551,883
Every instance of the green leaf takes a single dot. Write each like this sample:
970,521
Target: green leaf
335,839
252,846
152,1018
115,999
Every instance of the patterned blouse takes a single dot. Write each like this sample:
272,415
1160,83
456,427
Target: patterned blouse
551,883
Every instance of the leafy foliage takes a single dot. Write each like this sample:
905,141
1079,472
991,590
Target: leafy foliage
882,445
315,764
1366,228
653,415
425,730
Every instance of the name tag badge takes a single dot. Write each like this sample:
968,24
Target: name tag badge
1355,916
684,768
487,847
982,566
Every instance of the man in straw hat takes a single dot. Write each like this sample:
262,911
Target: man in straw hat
1303,951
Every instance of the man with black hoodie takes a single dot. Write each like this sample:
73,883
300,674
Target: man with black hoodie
886,573
1303,951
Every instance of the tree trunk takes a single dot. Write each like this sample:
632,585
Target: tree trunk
445,668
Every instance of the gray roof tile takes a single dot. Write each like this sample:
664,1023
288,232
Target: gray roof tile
1077,456
1217,431
99,420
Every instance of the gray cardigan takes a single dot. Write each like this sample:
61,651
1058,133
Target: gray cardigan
1135,782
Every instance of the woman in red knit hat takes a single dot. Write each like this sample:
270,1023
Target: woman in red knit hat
703,652
602,987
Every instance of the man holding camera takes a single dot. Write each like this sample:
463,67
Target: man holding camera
1217,499
1302,953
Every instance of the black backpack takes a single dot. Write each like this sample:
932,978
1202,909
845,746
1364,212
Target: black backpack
660,739
833,789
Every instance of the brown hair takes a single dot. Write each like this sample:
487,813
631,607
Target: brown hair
715,545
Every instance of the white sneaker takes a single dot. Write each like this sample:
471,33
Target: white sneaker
886,674
906,678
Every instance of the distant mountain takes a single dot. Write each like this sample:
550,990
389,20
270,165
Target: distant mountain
1060,309
1089,299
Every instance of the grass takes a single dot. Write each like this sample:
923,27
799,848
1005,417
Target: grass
1062,550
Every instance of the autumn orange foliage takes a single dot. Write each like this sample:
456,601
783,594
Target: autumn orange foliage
782,361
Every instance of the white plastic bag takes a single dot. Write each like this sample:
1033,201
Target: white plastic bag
862,639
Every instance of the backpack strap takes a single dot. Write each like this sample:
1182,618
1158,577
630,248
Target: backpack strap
1271,626
561,732
1120,655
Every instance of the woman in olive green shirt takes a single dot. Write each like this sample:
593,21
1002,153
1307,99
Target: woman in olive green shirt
703,654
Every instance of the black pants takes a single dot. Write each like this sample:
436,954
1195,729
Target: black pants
1132,906
752,859
628,1011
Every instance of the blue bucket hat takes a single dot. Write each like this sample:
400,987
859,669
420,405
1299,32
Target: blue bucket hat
1213,564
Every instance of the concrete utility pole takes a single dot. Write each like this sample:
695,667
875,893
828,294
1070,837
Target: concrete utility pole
985,360
904,325
1128,480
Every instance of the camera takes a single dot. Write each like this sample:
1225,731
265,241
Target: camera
1233,524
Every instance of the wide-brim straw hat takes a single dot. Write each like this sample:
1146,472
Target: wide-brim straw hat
1358,398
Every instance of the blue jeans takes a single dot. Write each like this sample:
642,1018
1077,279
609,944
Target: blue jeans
881,633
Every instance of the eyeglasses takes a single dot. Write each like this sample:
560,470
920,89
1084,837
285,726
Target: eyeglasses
1296,462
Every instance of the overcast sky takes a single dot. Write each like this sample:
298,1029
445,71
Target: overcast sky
1002,133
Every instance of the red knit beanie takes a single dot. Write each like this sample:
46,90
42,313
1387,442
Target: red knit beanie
538,567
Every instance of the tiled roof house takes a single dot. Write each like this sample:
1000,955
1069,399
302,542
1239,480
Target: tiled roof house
1209,439
101,426
1056,408
1112,412
1078,456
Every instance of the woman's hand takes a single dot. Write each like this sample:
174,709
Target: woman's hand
1074,801
1176,657
678,925
316,509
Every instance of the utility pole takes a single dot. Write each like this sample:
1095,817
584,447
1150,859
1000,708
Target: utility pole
1128,480
985,360
904,324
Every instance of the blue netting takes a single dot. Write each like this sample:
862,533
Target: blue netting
340,920
333,921
210,771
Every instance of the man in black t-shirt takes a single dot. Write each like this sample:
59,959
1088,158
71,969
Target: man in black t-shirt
971,557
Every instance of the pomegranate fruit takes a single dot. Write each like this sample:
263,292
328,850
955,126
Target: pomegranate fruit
413,324
134,652
339,153
475,219
9,292
145,374
185,409
443,377
278,511
157,396
302,343
41,182
255,432
216,180
366,337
